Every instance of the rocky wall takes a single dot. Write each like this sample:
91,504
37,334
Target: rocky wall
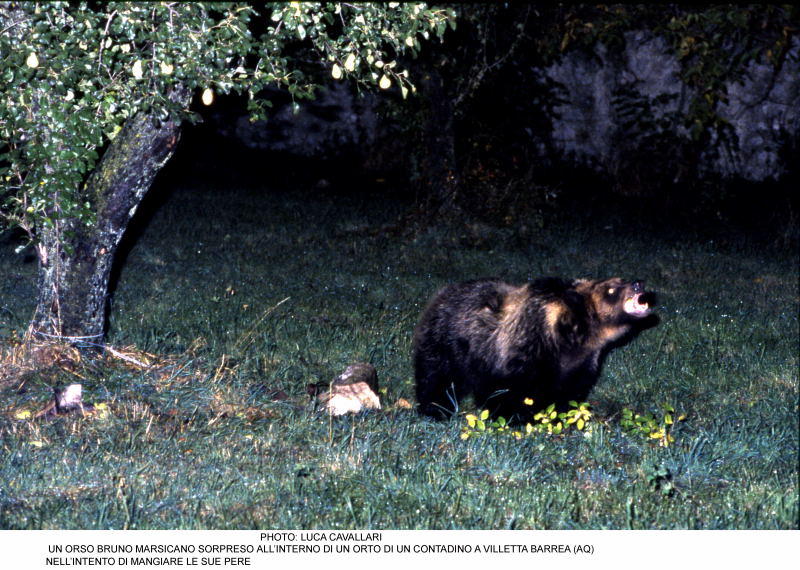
596,122
763,108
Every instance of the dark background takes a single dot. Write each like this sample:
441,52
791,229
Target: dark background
482,142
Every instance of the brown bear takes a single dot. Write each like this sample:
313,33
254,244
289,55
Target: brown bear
506,345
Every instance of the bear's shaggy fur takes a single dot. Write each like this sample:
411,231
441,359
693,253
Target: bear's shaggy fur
545,340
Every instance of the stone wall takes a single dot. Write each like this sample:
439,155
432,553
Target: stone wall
590,125
337,121
763,108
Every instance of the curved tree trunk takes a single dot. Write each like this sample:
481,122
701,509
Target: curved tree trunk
75,259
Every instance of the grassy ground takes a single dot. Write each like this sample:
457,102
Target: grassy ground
248,297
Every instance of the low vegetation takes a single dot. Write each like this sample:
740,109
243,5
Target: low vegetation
231,302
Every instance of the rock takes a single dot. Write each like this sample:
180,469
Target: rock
358,372
350,399
69,398
354,390
65,400
403,404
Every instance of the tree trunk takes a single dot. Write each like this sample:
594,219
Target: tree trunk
440,166
75,259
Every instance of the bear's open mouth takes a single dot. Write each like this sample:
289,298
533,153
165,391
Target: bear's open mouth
638,304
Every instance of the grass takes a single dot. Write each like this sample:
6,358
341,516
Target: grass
245,294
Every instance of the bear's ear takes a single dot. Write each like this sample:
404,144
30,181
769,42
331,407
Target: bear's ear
576,304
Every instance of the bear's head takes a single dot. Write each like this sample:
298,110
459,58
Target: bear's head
619,306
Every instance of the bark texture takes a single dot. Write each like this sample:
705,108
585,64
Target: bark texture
75,259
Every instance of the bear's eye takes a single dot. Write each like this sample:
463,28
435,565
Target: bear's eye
611,290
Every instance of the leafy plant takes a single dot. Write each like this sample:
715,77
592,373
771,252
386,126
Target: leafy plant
554,422
61,105
480,425
548,421
93,96
652,427
659,478
655,428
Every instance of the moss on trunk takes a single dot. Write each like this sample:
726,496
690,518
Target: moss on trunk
75,259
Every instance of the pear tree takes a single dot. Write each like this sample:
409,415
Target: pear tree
93,96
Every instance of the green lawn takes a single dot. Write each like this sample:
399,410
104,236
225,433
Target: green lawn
244,294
